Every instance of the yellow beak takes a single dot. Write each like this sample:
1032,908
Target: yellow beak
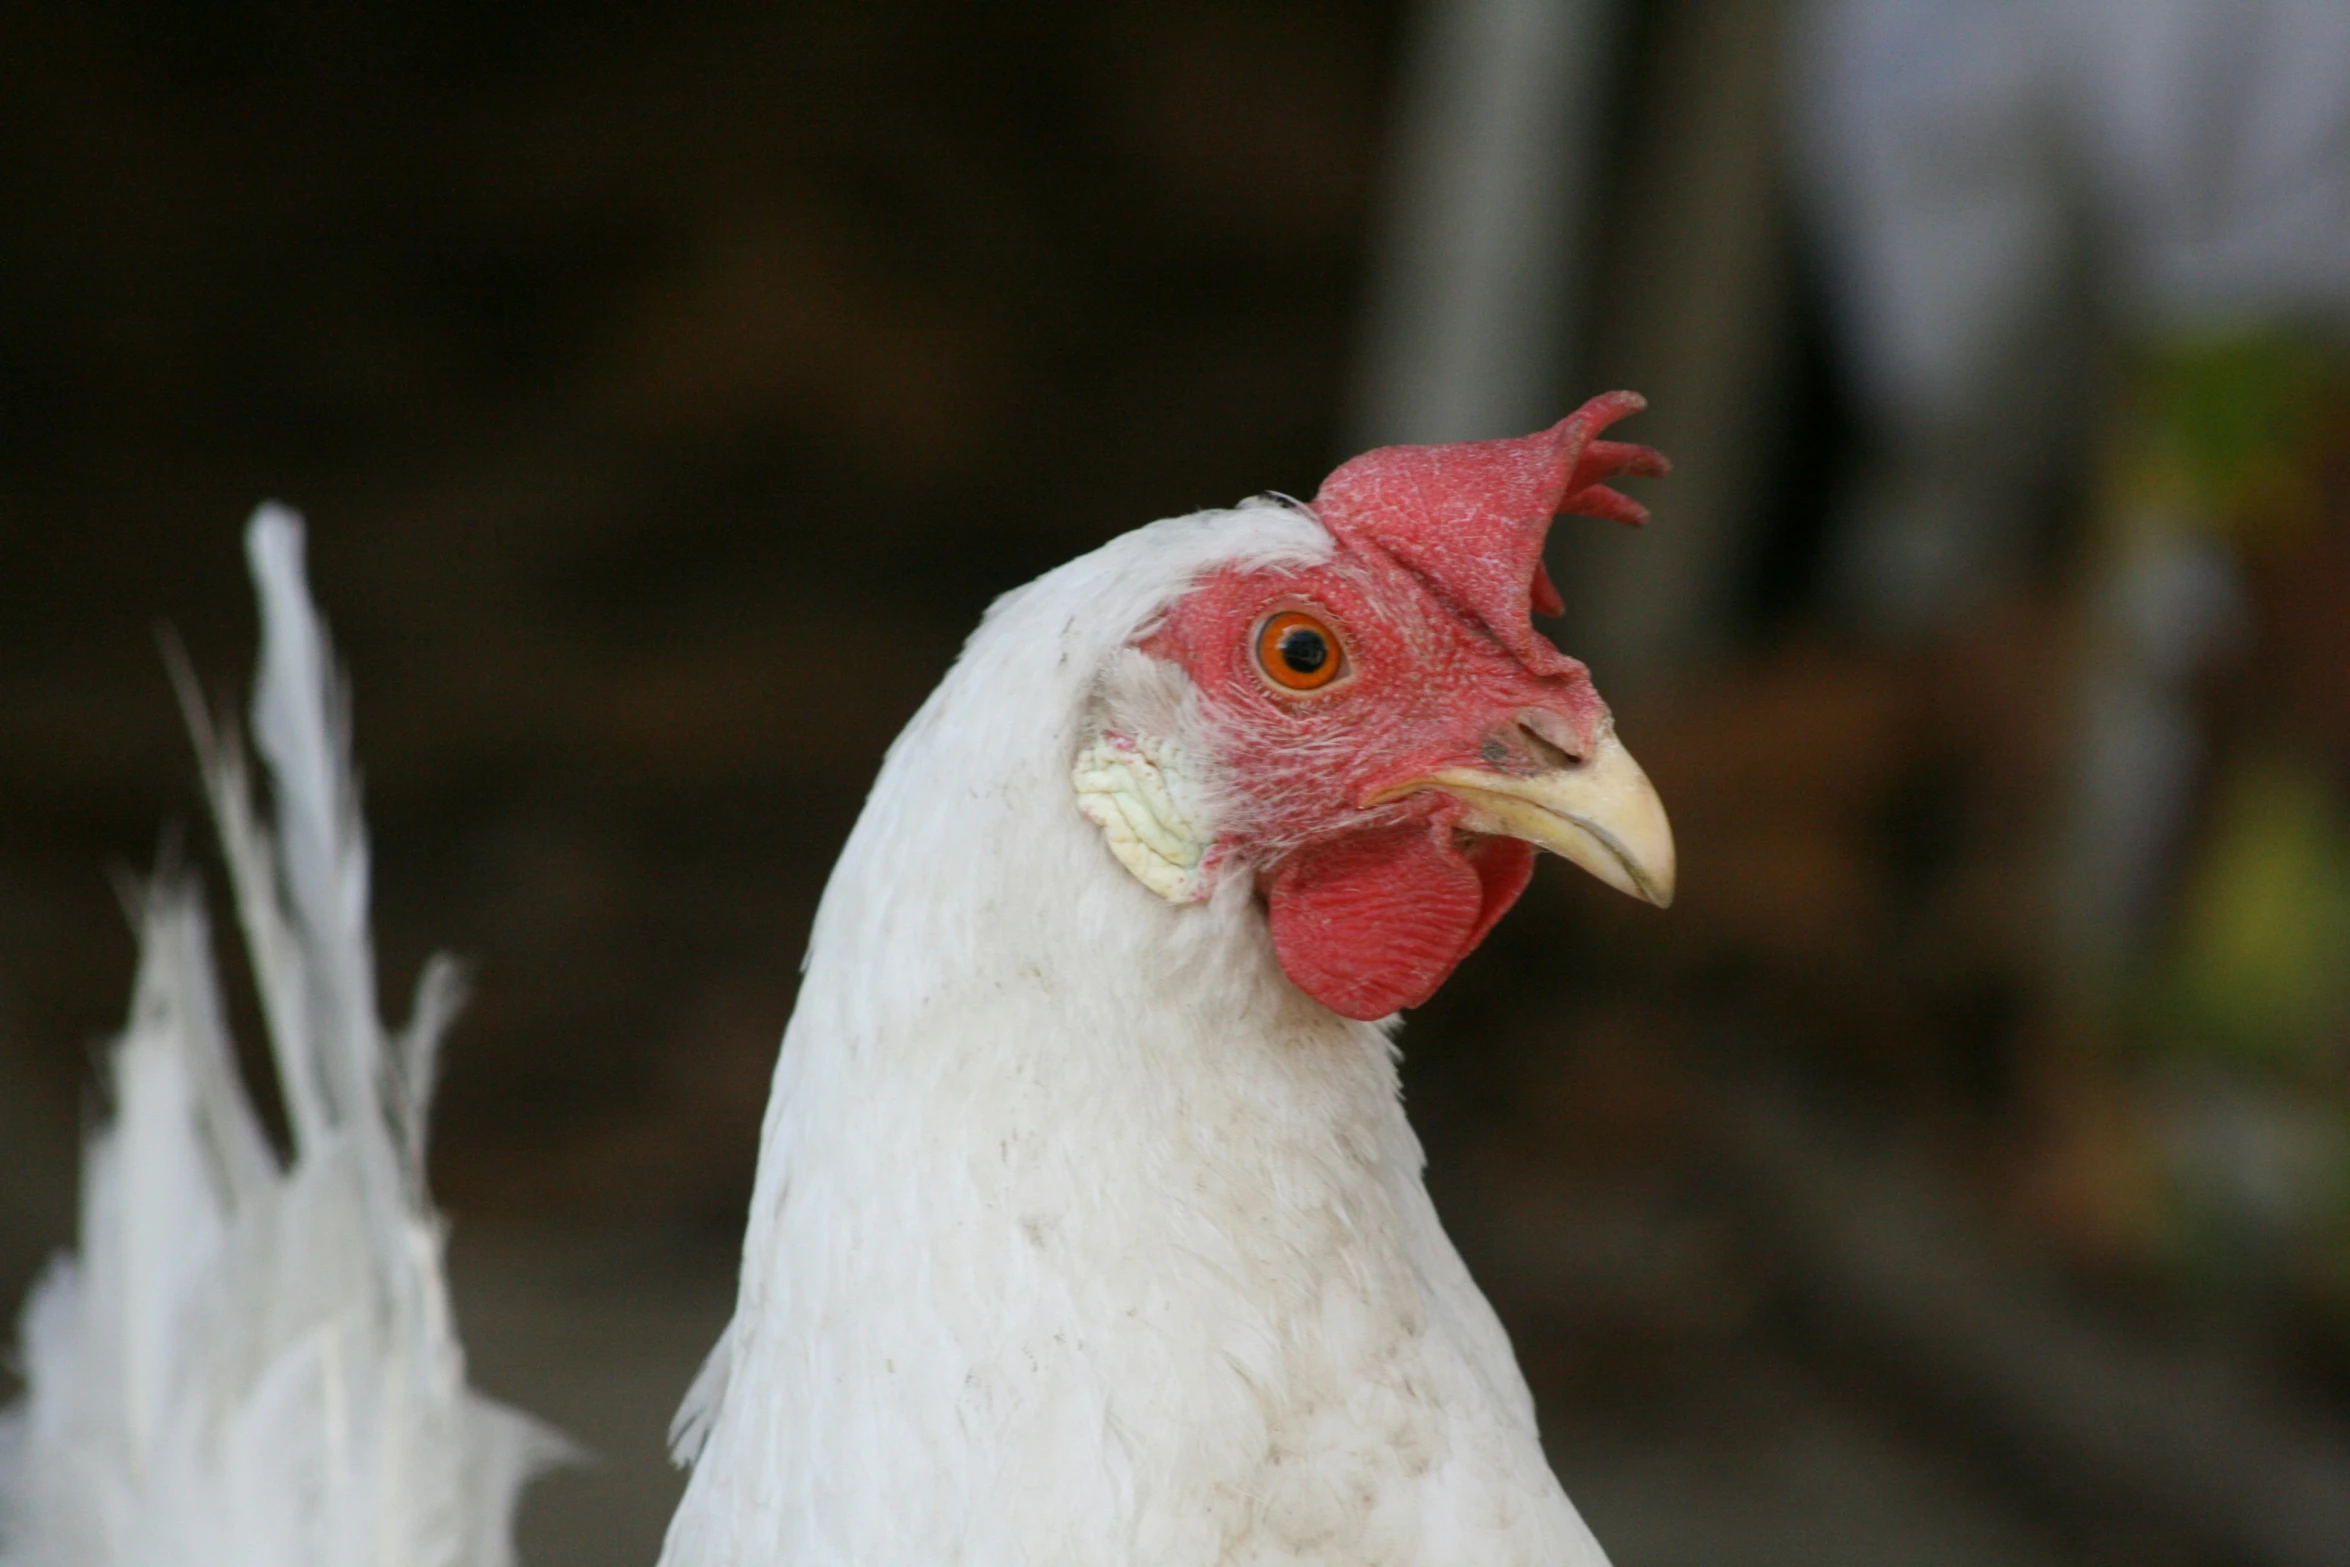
1598,810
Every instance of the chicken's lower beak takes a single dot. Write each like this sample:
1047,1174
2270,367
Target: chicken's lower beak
1599,811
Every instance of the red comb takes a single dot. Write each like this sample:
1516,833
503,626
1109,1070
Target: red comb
1469,518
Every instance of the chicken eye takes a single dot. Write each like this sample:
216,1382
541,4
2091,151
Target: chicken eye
1297,652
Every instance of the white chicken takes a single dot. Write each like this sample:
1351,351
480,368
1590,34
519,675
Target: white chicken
1088,1226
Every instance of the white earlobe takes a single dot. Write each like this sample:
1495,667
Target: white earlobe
1133,791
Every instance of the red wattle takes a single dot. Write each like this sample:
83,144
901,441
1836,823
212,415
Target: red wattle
1375,921
1504,866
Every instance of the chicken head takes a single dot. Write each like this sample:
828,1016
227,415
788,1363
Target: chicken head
1388,738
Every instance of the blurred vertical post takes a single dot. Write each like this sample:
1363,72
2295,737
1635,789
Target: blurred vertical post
1696,288
1482,251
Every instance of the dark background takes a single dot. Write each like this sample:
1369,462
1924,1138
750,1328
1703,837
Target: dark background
670,389
668,398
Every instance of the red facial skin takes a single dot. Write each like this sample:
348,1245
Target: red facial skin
1372,905
1372,900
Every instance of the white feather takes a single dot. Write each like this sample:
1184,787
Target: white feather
251,1364
1079,1233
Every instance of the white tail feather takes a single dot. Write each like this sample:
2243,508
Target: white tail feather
249,1364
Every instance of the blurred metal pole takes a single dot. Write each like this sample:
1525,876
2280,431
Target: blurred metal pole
1696,287
1483,250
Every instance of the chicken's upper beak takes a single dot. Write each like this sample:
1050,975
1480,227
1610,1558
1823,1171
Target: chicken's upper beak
1598,810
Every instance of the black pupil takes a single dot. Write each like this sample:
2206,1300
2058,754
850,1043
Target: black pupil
1304,649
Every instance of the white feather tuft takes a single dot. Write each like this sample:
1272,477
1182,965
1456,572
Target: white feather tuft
249,1363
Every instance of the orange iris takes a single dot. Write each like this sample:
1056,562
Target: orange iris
1298,652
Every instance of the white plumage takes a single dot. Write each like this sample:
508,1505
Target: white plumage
250,1362
1080,1233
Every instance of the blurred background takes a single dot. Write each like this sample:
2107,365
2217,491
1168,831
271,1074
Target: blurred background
1960,1174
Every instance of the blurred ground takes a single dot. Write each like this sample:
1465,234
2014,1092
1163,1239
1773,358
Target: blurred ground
670,391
